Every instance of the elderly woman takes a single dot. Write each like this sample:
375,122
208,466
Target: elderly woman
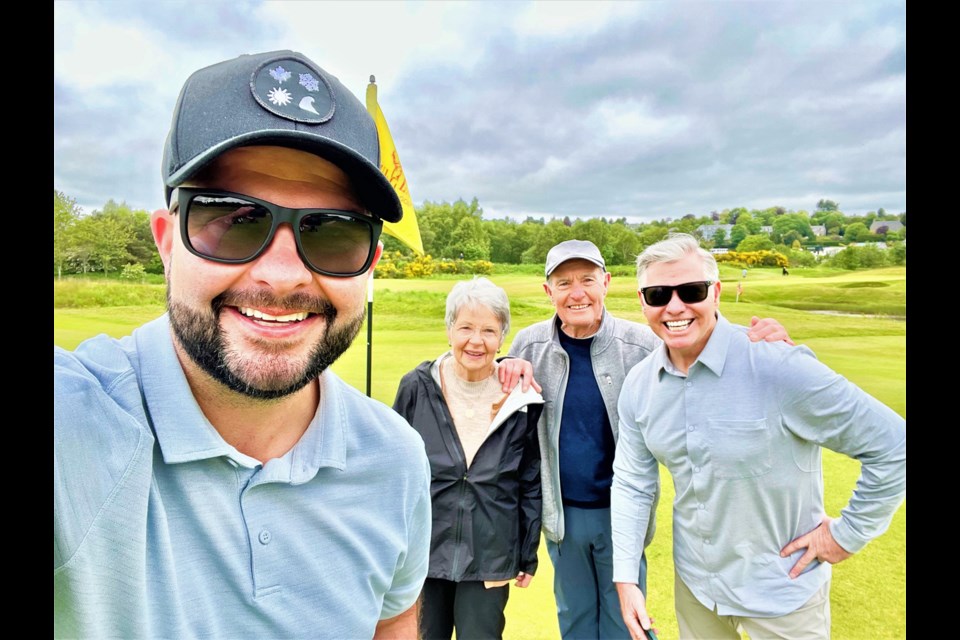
485,463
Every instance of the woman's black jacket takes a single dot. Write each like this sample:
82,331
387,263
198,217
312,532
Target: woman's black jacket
486,519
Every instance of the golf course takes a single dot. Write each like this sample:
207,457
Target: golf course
855,321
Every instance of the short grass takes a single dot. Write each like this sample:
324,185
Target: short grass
869,591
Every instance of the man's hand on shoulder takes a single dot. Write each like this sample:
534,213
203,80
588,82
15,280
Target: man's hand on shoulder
768,330
514,370
820,545
399,627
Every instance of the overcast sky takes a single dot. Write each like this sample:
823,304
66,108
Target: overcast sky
638,109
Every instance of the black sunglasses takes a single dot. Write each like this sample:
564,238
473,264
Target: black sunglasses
689,292
233,228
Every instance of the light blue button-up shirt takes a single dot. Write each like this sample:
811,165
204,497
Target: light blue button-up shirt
162,529
741,434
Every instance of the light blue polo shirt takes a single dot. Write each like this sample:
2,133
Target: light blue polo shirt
162,529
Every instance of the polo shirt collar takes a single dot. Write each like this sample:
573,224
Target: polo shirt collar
184,434
713,356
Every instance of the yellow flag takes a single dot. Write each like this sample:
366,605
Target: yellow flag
406,231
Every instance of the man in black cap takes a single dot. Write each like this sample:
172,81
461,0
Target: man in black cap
211,476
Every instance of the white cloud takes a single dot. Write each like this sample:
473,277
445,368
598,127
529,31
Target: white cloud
573,19
91,54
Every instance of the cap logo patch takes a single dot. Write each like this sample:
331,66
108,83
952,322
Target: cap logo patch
309,100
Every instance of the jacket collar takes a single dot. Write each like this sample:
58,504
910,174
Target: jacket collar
601,339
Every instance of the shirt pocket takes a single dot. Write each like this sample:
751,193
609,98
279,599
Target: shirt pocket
740,448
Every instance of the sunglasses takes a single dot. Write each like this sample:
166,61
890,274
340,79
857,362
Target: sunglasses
233,228
689,292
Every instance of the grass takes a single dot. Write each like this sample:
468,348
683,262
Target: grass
868,595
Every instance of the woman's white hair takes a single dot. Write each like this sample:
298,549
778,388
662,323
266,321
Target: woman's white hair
479,292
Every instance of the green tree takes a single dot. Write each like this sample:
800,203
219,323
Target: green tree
652,233
66,212
832,222
735,214
856,232
755,242
140,246
624,244
792,226
552,233
898,254
747,220
827,205
110,244
439,221
599,233
719,237
738,233
470,239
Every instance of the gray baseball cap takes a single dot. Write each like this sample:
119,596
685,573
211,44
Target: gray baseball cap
277,98
571,250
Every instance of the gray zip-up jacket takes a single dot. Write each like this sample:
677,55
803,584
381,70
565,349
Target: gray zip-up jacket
616,348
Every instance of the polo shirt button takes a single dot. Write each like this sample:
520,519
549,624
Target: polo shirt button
701,506
707,541
689,384
690,427
264,537
696,469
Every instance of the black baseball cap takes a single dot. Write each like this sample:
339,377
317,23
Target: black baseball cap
278,98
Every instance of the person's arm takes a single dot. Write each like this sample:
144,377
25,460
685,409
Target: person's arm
400,627
634,489
633,608
821,406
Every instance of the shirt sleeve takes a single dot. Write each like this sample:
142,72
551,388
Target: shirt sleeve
412,567
821,406
634,490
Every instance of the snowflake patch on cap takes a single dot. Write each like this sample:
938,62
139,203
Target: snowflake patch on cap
311,100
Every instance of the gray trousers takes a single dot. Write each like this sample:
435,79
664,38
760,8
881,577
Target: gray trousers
588,607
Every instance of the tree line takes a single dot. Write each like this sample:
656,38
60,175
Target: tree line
117,238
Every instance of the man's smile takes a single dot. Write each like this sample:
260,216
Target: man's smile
678,325
296,316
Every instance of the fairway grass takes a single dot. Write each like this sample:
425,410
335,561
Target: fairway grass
868,595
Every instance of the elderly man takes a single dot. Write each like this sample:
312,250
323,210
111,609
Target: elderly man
580,357
740,426
211,476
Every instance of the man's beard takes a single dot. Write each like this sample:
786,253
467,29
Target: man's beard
201,337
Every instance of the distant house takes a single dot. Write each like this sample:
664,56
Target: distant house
891,225
827,251
819,229
767,229
719,250
707,231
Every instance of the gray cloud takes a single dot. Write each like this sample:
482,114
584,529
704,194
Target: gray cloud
661,110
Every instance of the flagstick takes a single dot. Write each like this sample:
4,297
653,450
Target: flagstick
369,330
